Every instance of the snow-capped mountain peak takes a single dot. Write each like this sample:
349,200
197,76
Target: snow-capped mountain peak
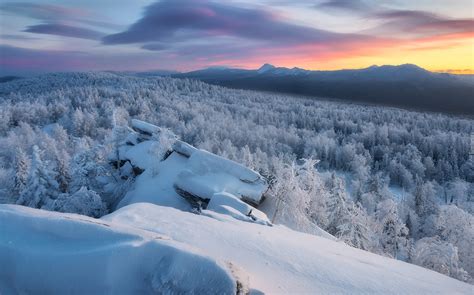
265,68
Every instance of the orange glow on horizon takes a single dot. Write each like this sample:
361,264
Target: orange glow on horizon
448,53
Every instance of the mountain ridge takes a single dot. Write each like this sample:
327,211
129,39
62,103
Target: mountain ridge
407,86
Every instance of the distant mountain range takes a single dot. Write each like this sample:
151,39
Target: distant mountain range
407,86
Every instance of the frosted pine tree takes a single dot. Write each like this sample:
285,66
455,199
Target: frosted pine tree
426,207
85,168
22,164
354,228
41,187
393,233
84,201
337,204
63,176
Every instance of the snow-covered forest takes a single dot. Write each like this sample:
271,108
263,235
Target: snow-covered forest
389,181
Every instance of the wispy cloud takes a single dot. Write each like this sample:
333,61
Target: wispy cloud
65,30
400,22
56,14
41,11
16,37
419,23
346,5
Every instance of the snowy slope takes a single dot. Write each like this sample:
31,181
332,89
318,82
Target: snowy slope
145,248
44,252
279,260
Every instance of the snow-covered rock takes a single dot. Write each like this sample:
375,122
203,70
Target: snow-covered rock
175,169
278,260
184,148
148,129
206,174
229,204
44,252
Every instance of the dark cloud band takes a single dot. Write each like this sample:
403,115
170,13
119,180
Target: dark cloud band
64,30
179,20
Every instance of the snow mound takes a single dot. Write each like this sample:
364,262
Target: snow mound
46,252
278,260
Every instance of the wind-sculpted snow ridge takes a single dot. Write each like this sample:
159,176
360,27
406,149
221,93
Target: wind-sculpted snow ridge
278,260
176,174
45,252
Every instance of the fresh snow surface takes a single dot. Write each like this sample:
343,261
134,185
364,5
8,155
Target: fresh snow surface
44,252
278,260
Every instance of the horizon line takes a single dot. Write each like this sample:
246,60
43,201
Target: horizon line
439,71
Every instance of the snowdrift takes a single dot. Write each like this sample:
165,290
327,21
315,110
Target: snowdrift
44,252
145,248
278,260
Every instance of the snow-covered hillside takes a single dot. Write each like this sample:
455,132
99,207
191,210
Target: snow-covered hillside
279,260
145,248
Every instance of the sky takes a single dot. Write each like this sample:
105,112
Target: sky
183,35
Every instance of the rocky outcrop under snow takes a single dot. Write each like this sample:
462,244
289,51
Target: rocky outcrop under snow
173,173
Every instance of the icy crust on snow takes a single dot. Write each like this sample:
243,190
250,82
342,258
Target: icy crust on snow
44,252
278,260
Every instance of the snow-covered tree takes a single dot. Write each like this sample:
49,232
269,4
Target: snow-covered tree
392,232
41,187
338,205
84,201
63,176
287,195
426,206
457,192
21,173
440,256
296,196
85,168
456,226
354,228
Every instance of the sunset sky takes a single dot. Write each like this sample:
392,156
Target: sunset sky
136,35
